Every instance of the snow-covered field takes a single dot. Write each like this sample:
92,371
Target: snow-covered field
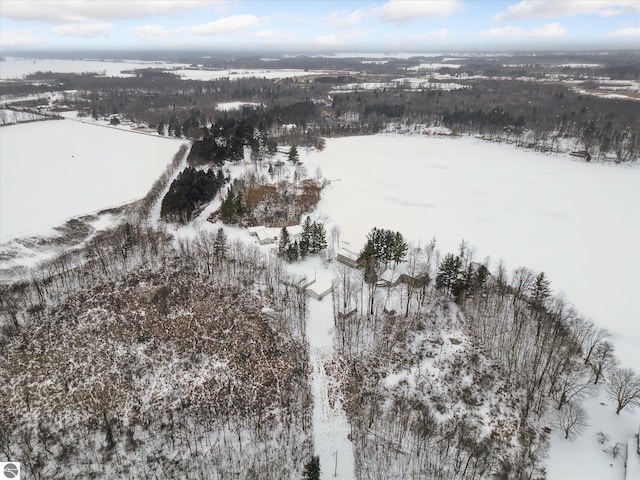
434,66
577,222
16,68
55,170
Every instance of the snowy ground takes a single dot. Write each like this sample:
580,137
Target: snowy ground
578,222
229,106
586,459
330,425
16,68
55,170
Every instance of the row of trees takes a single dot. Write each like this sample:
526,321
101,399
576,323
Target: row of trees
191,189
550,116
313,240
382,247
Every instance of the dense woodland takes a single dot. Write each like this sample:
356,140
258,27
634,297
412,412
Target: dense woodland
193,360
534,104
456,371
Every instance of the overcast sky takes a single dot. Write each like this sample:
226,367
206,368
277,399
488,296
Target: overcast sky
394,25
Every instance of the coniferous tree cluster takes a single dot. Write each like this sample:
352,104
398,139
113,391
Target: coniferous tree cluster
453,278
383,246
312,241
233,207
226,139
189,190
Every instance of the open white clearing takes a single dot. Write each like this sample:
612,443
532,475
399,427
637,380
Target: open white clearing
54,170
17,67
577,222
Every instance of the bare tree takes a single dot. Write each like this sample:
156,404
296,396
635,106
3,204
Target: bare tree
572,420
603,359
624,388
521,281
595,337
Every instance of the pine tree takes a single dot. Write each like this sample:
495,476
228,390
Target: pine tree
368,260
448,272
305,238
312,469
294,158
239,205
541,292
228,208
284,242
480,277
400,248
293,252
318,238
220,245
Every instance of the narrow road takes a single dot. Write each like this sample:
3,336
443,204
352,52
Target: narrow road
330,425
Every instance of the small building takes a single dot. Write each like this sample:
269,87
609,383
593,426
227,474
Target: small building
269,235
262,234
319,290
347,257
581,154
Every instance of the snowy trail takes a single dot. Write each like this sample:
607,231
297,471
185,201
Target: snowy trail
330,425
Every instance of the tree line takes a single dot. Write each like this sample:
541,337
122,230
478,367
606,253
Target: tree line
191,189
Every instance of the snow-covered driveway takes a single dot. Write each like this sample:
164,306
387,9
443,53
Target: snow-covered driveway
330,425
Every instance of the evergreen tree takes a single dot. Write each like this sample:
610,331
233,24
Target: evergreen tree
239,204
293,252
368,260
400,248
190,189
220,245
284,242
305,238
480,277
462,283
386,246
312,469
318,238
448,273
541,292
161,128
228,208
294,158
